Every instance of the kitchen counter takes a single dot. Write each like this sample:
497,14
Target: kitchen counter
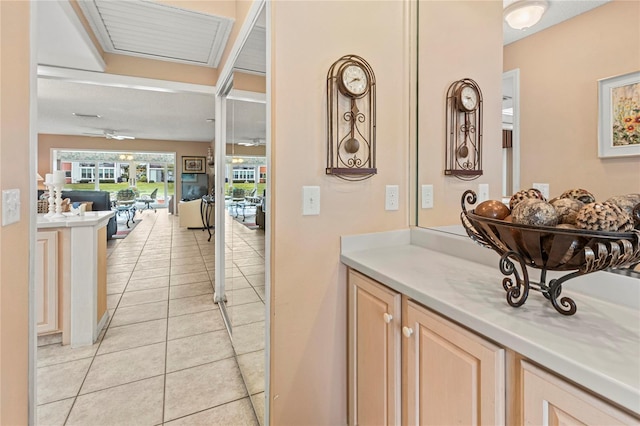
598,347
94,219
82,259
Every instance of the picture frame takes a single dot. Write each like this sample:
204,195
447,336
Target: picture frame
193,164
189,177
619,116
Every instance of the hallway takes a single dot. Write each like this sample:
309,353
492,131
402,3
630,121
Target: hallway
166,356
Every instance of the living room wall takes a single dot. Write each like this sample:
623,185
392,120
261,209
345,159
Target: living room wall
559,72
48,142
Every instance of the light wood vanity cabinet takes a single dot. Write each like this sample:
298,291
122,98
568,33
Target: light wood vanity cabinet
451,376
374,352
549,400
411,366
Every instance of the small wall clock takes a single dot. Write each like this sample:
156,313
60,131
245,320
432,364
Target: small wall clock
351,119
463,154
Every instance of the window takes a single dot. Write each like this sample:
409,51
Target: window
86,172
243,175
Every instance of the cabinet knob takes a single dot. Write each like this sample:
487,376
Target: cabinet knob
407,331
387,317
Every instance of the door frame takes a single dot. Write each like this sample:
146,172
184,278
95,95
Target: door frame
223,91
513,78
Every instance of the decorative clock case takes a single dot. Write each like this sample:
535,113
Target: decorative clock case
351,119
463,154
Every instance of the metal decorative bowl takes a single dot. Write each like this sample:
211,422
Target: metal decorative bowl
548,249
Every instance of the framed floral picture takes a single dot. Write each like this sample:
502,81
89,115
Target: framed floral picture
619,116
193,164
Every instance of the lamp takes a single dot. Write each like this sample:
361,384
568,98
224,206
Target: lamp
523,14
210,160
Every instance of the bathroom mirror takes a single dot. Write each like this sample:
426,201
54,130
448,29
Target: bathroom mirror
241,181
555,75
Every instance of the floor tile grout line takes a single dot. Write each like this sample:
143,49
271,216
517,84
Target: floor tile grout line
206,409
104,335
166,335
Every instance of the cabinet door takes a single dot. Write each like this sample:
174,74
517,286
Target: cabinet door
552,401
453,376
374,352
46,282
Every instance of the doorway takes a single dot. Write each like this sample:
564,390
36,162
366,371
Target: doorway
511,133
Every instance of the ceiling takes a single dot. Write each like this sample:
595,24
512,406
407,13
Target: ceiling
558,11
151,110
142,108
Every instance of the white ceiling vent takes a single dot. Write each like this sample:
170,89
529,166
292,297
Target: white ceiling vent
157,31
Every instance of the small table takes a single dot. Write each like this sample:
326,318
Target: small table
207,206
247,203
129,209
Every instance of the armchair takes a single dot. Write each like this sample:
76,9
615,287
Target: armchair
147,200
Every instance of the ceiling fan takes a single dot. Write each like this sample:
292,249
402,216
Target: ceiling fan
251,142
110,134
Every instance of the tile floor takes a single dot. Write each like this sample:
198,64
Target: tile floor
165,356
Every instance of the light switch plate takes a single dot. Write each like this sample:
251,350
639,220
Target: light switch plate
542,187
427,196
391,199
483,192
310,200
10,206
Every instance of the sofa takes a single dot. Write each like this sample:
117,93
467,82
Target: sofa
101,202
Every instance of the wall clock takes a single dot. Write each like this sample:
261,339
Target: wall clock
463,153
351,119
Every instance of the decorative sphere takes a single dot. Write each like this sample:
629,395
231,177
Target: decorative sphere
534,212
493,209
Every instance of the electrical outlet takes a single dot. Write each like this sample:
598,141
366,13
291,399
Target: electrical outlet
10,206
391,201
542,187
427,196
310,200
483,192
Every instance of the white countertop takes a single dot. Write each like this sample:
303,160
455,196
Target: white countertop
93,218
598,347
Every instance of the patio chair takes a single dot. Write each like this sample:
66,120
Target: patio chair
126,203
147,200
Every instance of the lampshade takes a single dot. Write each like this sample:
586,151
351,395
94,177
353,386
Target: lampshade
523,14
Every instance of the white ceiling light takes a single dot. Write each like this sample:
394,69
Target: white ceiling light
523,14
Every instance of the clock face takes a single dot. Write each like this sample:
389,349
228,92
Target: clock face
468,98
354,80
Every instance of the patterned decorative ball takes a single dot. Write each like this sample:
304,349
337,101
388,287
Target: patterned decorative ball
567,209
604,217
534,212
525,194
580,195
625,202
